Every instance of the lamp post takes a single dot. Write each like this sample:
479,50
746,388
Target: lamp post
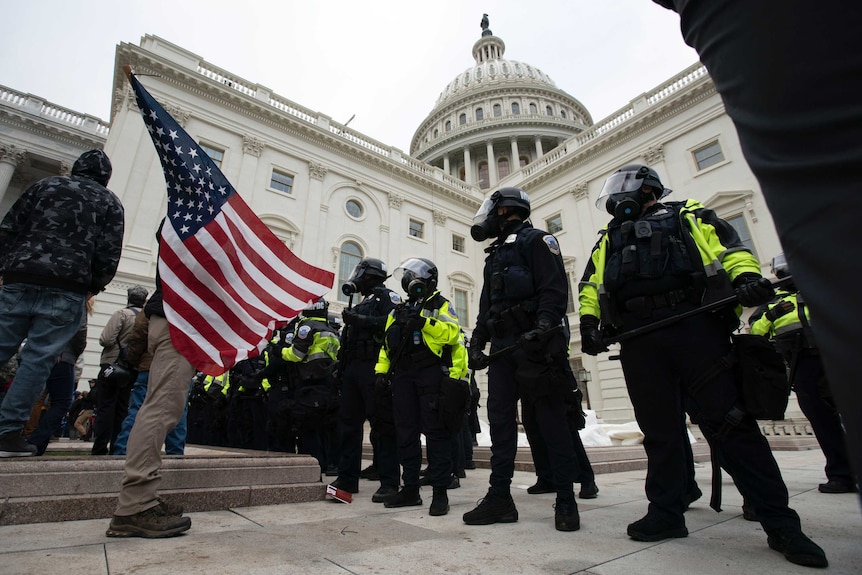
584,376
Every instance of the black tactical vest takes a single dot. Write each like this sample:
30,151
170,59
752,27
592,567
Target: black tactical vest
651,255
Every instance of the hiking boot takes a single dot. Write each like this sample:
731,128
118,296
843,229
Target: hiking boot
469,464
348,486
836,486
370,473
693,495
454,483
493,508
169,509
566,516
541,486
384,493
13,444
656,528
407,497
589,490
440,502
151,524
797,548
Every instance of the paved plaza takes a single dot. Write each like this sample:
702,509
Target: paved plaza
330,538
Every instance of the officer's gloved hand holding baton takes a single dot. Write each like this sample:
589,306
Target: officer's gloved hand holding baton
753,290
591,336
476,358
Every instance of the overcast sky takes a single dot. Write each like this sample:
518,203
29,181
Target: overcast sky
384,61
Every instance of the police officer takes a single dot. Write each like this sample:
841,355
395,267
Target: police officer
278,373
361,340
313,350
654,261
246,426
787,323
417,347
523,302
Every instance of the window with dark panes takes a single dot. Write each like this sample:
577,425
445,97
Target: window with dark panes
741,226
708,155
458,243
554,224
351,254
281,181
215,154
416,229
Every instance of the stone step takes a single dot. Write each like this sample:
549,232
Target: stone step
64,488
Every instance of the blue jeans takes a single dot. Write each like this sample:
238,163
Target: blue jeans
61,386
175,441
47,318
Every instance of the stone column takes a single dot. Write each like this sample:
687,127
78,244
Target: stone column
446,164
539,151
516,156
492,164
10,157
468,167
314,210
251,151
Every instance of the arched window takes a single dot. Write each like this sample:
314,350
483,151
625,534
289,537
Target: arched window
516,108
498,110
448,125
533,108
502,167
549,111
462,119
351,254
523,161
462,174
563,114
436,133
480,114
484,182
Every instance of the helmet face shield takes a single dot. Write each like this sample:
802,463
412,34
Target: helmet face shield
418,278
485,209
415,268
619,184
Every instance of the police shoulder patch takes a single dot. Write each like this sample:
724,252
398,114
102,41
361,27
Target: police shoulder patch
303,331
553,245
394,297
452,311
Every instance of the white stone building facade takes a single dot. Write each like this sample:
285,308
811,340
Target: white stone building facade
335,196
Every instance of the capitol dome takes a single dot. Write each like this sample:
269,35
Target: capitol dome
505,110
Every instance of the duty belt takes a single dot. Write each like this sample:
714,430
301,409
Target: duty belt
644,304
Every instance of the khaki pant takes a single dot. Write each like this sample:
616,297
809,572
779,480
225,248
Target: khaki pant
82,423
167,393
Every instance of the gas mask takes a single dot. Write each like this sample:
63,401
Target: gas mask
415,288
627,206
487,228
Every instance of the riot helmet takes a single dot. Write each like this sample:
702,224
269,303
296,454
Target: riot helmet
486,222
368,274
779,266
418,277
623,194
319,308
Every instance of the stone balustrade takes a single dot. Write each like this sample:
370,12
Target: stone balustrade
52,113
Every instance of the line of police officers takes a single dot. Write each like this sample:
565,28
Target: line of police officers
403,364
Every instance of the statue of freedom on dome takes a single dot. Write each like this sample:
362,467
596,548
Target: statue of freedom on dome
484,24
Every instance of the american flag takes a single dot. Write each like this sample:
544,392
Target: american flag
227,280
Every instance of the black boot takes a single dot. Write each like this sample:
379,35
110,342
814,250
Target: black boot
655,528
541,486
797,548
405,498
440,502
494,508
589,490
384,493
348,486
566,516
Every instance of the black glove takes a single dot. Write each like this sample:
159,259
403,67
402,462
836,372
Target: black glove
381,382
781,308
476,358
350,317
591,336
753,290
534,337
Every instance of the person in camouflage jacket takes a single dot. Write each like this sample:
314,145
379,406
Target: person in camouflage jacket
60,241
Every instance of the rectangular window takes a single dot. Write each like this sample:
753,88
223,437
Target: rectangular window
458,243
554,224
708,155
459,300
215,154
417,229
741,227
281,181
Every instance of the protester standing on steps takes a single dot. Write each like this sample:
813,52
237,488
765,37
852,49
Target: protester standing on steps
112,401
521,310
60,241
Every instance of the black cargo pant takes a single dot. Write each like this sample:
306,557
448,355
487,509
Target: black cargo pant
357,405
550,418
657,366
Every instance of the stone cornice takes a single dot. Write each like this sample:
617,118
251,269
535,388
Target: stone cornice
188,80
60,133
